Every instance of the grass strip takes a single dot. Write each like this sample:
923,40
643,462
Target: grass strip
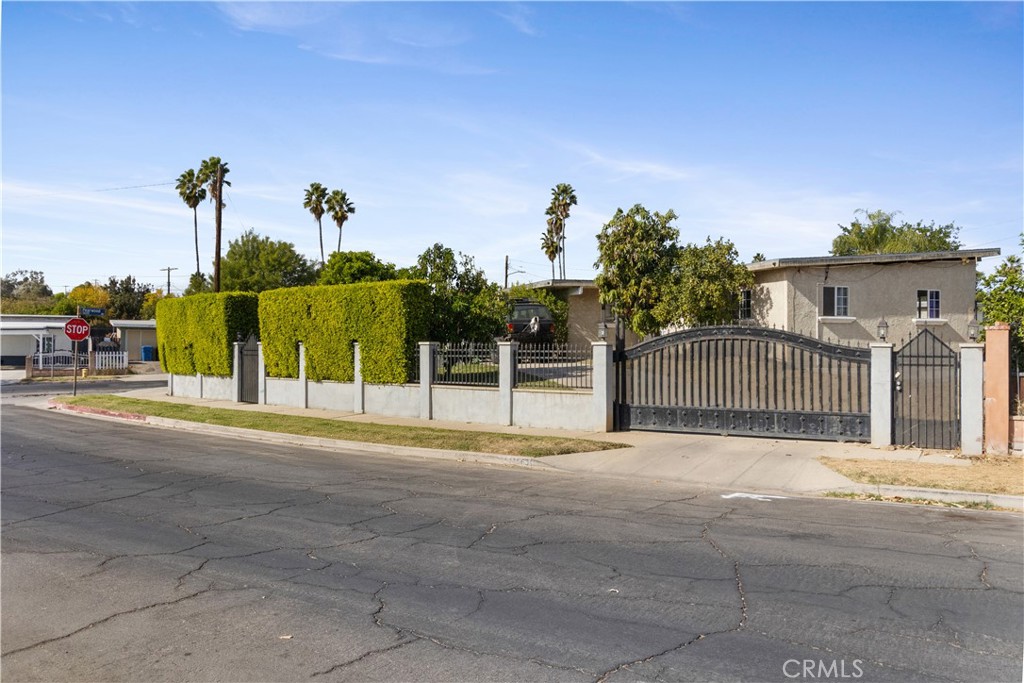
364,432
992,474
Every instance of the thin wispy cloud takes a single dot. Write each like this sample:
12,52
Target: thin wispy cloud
622,169
369,33
519,16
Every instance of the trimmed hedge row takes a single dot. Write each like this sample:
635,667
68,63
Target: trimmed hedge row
194,334
386,318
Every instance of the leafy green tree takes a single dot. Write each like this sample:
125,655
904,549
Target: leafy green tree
881,235
563,197
126,298
316,195
347,267
62,304
148,311
637,253
705,286
192,192
1001,299
340,207
255,264
25,292
466,306
211,173
91,295
25,284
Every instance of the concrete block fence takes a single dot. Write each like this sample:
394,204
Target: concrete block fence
576,409
579,409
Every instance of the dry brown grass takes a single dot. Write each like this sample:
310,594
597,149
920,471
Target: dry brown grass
992,474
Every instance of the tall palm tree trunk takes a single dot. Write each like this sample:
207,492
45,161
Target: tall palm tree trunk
320,227
217,225
339,239
195,223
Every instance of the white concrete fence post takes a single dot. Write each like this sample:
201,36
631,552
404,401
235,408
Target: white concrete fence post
358,402
427,352
303,383
881,395
236,372
604,386
262,370
506,380
972,399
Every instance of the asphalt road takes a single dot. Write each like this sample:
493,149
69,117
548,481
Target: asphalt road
136,553
85,386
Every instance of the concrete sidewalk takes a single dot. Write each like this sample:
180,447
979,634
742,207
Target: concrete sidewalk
729,463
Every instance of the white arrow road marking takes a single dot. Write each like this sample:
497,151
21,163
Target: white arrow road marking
753,496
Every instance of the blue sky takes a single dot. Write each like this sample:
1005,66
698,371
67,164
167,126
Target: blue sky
766,123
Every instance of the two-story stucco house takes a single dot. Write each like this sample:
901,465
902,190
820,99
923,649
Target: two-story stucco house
844,298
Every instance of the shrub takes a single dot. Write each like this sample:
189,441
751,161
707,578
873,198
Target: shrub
386,318
195,333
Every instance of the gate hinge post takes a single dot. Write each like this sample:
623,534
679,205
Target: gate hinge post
881,399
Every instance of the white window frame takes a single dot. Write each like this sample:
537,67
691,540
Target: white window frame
930,305
840,294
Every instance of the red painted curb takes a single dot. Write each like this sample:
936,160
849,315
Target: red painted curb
98,411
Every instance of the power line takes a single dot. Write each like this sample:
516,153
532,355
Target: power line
104,189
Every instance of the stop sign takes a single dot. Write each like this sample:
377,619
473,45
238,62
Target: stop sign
76,329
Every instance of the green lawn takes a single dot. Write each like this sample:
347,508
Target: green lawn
422,437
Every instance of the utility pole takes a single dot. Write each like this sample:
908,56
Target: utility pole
509,272
168,269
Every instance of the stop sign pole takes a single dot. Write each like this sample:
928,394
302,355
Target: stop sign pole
76,329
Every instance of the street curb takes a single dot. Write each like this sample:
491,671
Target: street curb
310,441
945,495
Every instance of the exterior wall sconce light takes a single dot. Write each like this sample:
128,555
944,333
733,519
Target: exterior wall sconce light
972,330
883,329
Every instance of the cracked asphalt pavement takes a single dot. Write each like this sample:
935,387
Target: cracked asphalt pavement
137,553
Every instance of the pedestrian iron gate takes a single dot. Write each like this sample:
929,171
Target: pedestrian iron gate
250,371
926,394
745,381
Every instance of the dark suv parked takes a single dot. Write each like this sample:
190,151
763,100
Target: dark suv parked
529,321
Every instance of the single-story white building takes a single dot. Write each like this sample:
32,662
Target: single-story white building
25,335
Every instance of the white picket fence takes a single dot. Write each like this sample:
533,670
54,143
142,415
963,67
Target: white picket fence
111,360
105,360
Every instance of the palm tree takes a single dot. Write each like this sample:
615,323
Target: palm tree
192,192
340,208
211,174
549,245
315,196
562,198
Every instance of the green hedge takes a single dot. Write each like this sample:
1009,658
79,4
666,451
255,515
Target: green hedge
194,334
388,319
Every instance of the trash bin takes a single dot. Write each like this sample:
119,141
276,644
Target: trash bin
147,353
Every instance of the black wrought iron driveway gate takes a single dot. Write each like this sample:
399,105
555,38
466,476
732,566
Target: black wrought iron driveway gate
744,381
250,371
926,394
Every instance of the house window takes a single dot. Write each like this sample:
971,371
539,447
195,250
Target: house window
835,301
745,312
927,303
